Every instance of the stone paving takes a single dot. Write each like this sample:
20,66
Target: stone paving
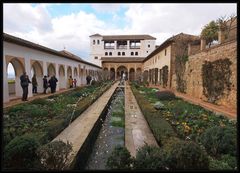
230,113
137,131
77,132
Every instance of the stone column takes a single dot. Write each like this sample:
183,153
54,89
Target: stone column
203,44
28,71
57,76
5,81
65,77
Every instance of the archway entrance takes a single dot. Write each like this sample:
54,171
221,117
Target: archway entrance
14,70
112,74
51,70
120,70
132,74
62,82
38,71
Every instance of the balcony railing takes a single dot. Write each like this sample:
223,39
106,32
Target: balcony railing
108,47
122,47
134,47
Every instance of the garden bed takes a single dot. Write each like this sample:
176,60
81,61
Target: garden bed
44,119
215,134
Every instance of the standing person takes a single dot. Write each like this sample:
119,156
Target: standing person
88,78
34,84
70,82
75,83
24,84
53,83
48,79
45,84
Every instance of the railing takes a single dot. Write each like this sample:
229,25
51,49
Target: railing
134,47
122,47
108,47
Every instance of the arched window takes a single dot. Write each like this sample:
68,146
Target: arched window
110,53
123,53
132,53
106,53
94,41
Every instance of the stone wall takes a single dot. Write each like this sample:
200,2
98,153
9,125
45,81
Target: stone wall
193,73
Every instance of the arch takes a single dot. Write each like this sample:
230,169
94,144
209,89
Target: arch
75,73
112,74
139,76
105,73
145,76
131,74
69,71
51,70
62,82
14,88
120,70
38,71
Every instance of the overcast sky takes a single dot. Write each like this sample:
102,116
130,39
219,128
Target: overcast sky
69,25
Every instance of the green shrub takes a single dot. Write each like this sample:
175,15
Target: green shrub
230,160
150,158
54,127
54,155
165,95
186,155
40,101
220,140
120,158
218,165
19,153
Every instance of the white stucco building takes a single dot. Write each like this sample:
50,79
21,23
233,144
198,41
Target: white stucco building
34,58
120,46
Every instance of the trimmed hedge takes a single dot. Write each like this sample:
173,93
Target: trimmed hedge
161,129
20,153
220,140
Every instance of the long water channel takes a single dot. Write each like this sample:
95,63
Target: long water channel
111,134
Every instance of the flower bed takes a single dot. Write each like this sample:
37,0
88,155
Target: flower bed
46,118
190,122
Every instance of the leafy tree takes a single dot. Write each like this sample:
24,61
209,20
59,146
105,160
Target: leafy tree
210,32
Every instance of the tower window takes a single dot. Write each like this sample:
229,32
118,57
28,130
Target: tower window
149,45
110,53
98,41
119,53
132,53
165,52
136,53
95,57
94,41
123,53
106,53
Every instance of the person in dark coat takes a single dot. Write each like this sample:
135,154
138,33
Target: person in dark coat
53,83
34,84
45,84
88,78
24,84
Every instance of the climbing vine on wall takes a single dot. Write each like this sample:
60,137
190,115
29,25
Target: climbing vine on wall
180,70
216,78
165,75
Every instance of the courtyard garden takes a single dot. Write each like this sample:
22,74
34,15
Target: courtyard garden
28,126
189,136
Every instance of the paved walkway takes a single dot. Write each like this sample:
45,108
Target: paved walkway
137,131
230,113
18,100
77,132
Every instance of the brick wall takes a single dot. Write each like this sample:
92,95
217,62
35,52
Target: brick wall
193,73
